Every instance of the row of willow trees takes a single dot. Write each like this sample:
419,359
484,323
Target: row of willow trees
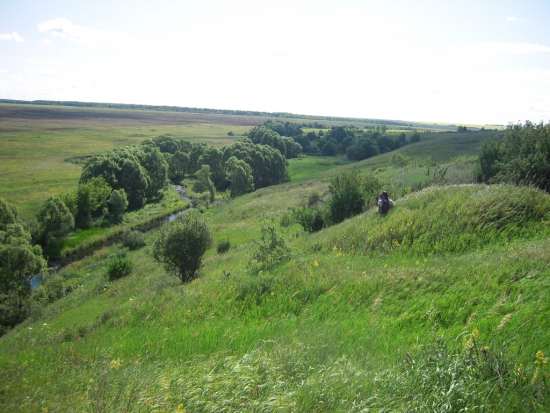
356,143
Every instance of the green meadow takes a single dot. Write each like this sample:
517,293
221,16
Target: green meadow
442,305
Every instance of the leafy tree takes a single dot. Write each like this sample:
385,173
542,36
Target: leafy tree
213,157
197,150
180,245
348,196
328,148
117,204
55,221
8,214
120,168
204,183
156,167
489,159
522,158
402,139
240,176
284,128
264,136
362,148
169,144
91,200
415,137
19,260
268,164
177,166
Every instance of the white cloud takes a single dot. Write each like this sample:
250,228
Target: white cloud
64,28
39,62
44,72
505,48
515,19
14,36
3,71
46,41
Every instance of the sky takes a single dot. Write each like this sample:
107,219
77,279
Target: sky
457,61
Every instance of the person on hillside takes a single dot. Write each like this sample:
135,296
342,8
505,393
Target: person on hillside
384,203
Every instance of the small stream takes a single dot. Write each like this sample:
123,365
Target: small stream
80,255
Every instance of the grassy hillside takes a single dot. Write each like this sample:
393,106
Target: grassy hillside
440,306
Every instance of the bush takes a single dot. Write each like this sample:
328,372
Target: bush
521,158
347,196
181,244
223,246
271,248
133,240
119,267
310,218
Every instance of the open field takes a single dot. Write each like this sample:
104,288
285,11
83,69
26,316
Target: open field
35,143
441,305
36,117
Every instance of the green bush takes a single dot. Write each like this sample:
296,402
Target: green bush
521,158
347,196
133,240
271,249
181,244
119,267
310,218
223,246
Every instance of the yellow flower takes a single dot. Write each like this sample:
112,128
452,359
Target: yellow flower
385,265
316,263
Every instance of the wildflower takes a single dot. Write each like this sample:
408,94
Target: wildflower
114,364
385,265
272,293
316,263
417,262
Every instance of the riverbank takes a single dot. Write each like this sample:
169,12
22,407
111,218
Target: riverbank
86,242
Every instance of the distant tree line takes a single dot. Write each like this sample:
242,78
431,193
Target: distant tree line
164,108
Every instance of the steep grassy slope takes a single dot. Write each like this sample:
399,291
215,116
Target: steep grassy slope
441,305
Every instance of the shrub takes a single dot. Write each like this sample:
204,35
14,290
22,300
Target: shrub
271,249
181,244
347,196
133,240
310,218
223,246
119,267
286,220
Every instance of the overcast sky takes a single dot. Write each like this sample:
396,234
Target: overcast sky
458,61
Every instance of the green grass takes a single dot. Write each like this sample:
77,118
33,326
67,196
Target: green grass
442,305
33,163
